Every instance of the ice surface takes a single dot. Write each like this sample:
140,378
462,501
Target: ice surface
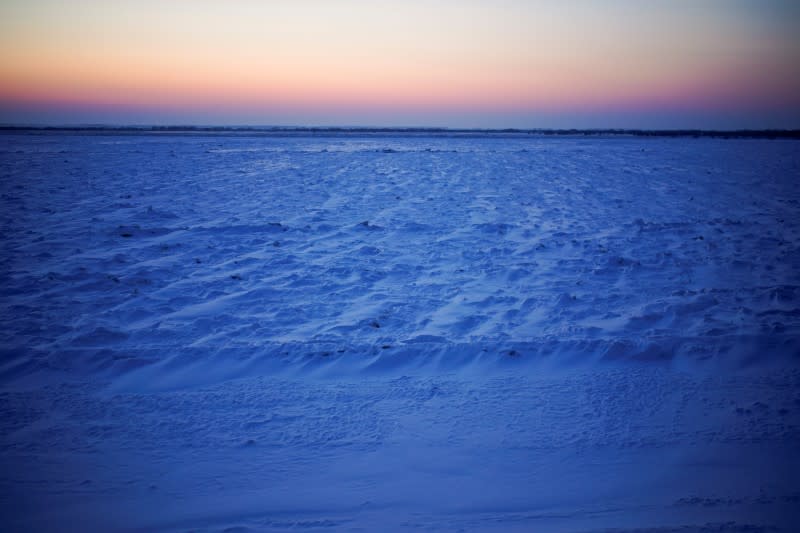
399,332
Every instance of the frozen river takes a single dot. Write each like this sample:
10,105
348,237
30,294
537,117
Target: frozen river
399,332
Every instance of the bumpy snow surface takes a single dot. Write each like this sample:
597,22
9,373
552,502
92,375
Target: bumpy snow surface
388,332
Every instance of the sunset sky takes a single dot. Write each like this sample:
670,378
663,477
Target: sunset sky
468,63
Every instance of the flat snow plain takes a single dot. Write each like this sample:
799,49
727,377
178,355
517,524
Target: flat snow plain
381,333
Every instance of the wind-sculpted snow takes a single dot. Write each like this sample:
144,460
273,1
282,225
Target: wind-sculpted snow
162,243
401,332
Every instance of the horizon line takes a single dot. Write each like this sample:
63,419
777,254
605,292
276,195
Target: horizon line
785,133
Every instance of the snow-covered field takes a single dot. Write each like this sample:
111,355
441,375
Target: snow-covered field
387,332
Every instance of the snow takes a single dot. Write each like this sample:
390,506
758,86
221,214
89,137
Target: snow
399,332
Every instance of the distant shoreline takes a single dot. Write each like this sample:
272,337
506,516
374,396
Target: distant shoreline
444,132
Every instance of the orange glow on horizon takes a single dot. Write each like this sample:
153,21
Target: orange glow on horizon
357,55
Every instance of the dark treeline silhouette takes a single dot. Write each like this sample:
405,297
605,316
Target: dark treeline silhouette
302,130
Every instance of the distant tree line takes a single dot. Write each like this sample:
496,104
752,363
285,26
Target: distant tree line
300,130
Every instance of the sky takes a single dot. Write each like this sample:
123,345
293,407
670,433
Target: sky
495,64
